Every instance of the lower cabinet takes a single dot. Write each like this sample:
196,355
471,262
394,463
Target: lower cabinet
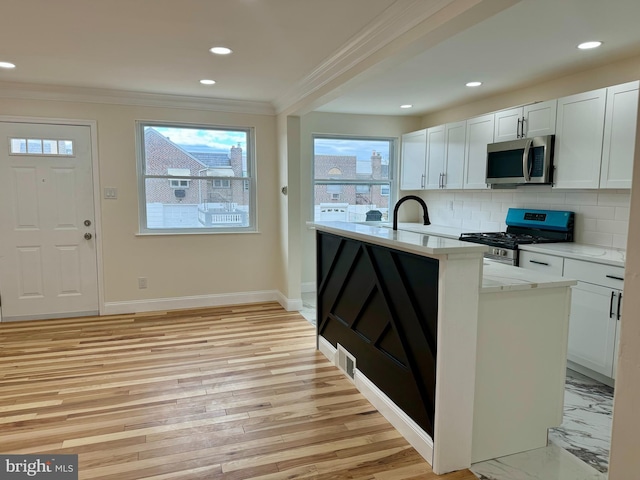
593,327
596,307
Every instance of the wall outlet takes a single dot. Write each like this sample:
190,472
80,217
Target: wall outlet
142,282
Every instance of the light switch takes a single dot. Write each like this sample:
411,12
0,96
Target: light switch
111,193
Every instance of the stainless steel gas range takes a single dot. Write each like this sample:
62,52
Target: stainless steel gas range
525,226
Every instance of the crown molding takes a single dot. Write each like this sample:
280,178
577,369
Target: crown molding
393,23
29,91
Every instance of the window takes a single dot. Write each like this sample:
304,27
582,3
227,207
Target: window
41,146
351,177
195,179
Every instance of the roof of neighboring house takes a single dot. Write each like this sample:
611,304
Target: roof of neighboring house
212,159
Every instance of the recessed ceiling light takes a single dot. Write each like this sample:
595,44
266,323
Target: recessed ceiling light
473,84
589,45
207,82
7,65
220,50
406,106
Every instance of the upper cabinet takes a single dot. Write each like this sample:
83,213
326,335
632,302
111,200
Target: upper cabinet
435,158
595,138
414,151
454,143
528,121
479,135
578,147
619,136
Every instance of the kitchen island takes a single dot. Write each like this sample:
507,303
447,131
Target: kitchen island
467,360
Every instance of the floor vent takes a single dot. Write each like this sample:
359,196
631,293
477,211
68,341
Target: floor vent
346,362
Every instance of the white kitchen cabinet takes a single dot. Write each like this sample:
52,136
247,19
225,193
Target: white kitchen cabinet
413,160
619,136
534,120
454,137
578,144
478,135
540,262
596,303
435,166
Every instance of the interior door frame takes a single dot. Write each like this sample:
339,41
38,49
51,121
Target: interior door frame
95,172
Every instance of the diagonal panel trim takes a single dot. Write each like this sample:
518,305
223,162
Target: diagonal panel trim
388,317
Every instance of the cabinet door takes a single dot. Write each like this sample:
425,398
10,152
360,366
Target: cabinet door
414,150
540,119
479,135
619,136
592,327
454,154
578,145
507,126
435,157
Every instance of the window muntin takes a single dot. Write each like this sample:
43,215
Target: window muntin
352,177
195,179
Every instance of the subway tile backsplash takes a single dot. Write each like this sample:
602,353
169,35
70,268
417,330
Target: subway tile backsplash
602,216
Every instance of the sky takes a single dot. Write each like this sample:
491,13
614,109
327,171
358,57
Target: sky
216,140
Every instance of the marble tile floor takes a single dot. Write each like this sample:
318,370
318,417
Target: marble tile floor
577,450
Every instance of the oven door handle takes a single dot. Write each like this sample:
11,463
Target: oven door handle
525,157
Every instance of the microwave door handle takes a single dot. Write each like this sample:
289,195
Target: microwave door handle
525,157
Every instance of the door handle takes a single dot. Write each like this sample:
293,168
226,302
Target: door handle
88,236
619,300
525,163
613,294
87,223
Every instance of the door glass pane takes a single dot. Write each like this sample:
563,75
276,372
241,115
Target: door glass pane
34,145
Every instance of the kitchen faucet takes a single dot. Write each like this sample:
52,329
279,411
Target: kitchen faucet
417,199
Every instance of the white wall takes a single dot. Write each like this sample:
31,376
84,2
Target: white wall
175,265
338,124
602,216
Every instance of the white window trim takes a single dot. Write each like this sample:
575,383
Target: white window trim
250,177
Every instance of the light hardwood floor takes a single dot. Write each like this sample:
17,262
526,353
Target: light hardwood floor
231,392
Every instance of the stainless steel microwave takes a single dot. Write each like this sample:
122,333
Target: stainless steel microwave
520,162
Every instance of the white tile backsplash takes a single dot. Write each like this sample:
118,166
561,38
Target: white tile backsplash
602,216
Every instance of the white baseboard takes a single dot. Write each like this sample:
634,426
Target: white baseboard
410,430
199,301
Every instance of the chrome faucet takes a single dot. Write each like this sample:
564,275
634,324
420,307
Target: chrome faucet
404,199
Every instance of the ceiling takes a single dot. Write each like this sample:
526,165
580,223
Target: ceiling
348,56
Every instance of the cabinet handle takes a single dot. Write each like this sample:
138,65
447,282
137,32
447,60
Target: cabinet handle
613,294
616,278
522,135
442,180
422,181
619,300
518,129
539,263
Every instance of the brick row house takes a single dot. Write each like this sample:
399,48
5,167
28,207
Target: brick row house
216,200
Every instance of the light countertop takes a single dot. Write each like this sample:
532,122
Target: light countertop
498,277
403,240
578,251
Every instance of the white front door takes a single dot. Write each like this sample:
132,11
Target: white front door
48,257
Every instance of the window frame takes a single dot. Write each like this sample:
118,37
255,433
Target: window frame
249,179
393,154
